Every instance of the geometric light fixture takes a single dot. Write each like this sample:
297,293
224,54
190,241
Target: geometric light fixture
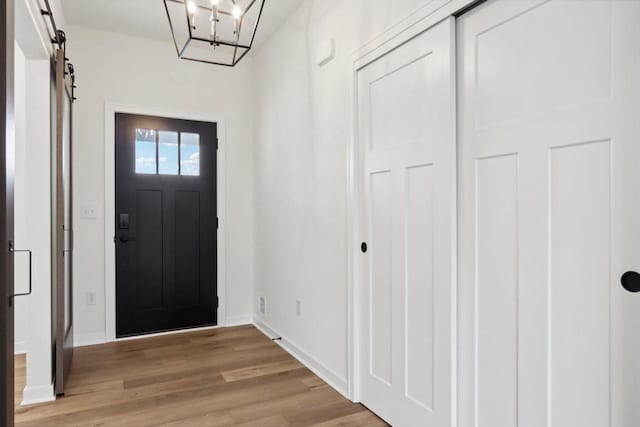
219,32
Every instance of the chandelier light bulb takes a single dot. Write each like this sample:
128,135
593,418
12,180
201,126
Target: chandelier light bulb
192,8
214,21
237,12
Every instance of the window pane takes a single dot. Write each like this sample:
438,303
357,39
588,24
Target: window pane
145,151
168,153
190,154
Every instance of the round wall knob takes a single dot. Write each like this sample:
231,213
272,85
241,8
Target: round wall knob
631,281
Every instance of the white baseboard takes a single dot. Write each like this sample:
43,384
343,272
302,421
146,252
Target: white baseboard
328,376
41,394
20,347
238,321
82,340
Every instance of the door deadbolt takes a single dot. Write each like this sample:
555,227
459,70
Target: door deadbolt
363,247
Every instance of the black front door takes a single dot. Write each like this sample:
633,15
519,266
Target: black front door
166,224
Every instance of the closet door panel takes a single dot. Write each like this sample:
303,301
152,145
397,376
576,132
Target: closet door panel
546,127
406,182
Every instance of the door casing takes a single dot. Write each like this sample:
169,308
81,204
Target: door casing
7,143
110,202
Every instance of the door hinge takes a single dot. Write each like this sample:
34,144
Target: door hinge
217,143
217,222
217,302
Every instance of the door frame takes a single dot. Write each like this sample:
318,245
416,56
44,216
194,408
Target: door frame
416,23
7,139
110,206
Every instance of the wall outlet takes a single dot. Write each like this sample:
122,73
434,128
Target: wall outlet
298,308
262,305
91,298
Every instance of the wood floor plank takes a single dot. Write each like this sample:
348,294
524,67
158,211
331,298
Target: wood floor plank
225,377
322,412
290,405
260,370
359,419
207,420
275,421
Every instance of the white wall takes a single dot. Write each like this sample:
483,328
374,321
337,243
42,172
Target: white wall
20,201
33,201
38,233
303,127
136,72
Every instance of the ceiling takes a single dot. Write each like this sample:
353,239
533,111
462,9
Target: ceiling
148,19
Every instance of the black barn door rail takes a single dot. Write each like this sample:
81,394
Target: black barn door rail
59,38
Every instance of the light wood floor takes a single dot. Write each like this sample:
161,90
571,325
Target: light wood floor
219,377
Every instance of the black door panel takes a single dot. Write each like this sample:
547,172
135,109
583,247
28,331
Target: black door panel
165,223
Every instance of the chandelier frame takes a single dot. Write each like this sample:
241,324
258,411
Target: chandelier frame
237,46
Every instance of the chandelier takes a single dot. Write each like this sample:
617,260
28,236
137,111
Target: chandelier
219,32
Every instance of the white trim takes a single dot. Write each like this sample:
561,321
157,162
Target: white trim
88,340
175,332
327,375
396,30
40,394
238,321
418,22
83,340
40,27
20,347
353,302
109,203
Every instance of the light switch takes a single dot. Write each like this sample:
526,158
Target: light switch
88,212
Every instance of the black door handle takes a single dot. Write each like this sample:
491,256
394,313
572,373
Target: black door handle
26,251
363,247
631,281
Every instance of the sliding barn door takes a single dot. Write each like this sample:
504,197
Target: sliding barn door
549,155
407,186
62,240
6,212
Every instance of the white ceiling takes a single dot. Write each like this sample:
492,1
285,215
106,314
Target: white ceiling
148,19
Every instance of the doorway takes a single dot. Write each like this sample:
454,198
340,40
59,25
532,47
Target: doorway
165,224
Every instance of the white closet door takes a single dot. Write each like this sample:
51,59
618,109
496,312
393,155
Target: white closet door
406,103
549,174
